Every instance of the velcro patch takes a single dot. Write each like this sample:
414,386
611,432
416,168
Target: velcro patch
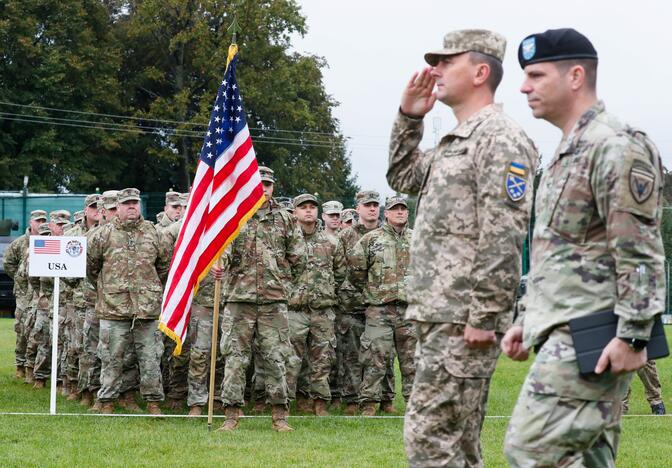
515,186
642,182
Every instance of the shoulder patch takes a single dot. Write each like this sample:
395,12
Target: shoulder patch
516,185
642,181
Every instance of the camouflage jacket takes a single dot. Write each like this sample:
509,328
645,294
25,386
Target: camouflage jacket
163,222
205,296
15,254
128,262
266,258
84,293
350,297
474,201
378,265
325,268
597,243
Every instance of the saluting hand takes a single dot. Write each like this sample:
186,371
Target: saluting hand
418,97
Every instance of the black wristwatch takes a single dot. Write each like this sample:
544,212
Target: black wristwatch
634,343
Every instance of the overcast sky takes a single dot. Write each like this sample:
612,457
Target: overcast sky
372,48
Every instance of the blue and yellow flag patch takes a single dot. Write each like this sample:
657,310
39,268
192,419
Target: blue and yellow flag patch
516,185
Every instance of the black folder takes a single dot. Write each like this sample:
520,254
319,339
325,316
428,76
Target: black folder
591,334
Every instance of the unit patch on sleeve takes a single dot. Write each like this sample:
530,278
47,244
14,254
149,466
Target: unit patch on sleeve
642,182
516,185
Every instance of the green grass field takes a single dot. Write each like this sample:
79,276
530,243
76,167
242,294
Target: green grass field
27,440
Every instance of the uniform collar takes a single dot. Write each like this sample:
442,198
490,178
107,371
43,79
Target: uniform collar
466,128
568,145
388,227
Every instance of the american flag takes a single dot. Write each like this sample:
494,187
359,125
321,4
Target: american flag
226,192
47,246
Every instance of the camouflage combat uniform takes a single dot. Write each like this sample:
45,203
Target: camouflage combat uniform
260,266
596,246
15,254
464,270
350,325
128,261
378,265
311,317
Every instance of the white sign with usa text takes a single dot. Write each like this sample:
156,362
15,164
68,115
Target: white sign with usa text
57,256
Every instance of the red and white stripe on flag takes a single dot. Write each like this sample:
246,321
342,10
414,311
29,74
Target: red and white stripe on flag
226,192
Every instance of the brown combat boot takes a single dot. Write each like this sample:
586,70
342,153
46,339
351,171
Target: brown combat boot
39,383
335,403
87,399
387,407
321,408
351,409
127,401
279,417
20,372
97,406
368,409
64,387
30,378
304,405
154,409
231,423
195,411
107,407
74,394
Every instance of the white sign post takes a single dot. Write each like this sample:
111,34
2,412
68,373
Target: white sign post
56,257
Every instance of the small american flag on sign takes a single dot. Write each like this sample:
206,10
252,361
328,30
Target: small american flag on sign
44,246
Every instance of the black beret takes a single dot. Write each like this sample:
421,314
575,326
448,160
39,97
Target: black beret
554,45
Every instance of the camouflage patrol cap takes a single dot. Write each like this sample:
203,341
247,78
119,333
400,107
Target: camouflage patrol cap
79,216
288,206
391,202
129,194
184,198
37,215
367,196
109,199
43,229
332,207
469,40
303,198
267,174
172,198
92,199
60,217
348,215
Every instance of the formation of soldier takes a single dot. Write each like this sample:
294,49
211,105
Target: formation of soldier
288,281
317,311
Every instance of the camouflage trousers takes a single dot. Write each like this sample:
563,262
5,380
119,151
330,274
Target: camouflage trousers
21,339
652,388
348,346
314,342
122,342
563,418
386,331
178,370
27,325
240,323
88,378
74,349
447,406
334,380
39,345
200,337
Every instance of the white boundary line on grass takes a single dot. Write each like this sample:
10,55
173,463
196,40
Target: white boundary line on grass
10,413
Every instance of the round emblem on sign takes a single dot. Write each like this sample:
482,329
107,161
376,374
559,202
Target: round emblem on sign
74,248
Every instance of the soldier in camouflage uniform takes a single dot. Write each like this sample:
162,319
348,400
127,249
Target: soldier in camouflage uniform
31,317
474,201
83,298
652,388
128,260
15,254
260,266
378,265
79,217
331,215
311,312
174,369
347,218
596,247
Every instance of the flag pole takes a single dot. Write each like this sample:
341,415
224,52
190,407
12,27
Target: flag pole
213,345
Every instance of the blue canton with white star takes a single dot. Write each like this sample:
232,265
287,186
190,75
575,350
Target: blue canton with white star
227,117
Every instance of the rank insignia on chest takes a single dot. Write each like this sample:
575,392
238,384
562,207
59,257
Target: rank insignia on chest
516,185
642,182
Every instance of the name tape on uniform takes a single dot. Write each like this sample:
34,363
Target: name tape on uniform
63,256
